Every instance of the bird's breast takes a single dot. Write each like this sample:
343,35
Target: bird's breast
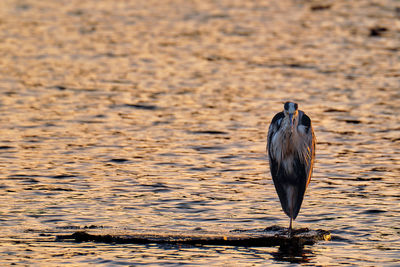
287,149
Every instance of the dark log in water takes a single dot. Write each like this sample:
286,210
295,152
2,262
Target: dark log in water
271,236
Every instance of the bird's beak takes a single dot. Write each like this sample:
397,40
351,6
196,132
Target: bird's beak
291,119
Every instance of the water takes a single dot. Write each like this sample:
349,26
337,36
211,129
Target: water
148,115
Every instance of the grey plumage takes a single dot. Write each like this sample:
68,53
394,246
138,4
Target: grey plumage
291,153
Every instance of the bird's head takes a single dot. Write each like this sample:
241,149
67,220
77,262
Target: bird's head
291,111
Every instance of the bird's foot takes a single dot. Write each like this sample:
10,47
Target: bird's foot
290,232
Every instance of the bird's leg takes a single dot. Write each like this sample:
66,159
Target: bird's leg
290,227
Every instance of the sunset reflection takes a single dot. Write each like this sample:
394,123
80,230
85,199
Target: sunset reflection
153,115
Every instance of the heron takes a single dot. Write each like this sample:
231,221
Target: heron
291,153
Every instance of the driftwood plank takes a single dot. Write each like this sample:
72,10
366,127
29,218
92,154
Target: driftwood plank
271,236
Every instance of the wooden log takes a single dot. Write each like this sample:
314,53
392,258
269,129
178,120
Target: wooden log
271,236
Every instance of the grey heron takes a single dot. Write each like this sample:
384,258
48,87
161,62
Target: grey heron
291,153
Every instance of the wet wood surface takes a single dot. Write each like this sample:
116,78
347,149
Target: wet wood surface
271,236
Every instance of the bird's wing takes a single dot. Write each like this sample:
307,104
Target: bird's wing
281,180
273,129
310,141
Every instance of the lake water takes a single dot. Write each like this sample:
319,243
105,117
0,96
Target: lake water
147,115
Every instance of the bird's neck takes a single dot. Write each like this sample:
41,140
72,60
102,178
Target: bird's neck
287,128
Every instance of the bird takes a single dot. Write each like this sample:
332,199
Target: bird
291,153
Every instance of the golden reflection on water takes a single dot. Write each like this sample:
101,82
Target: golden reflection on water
154,115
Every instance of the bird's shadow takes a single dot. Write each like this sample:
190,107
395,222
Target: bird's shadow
293,253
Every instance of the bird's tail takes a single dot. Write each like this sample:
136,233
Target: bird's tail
291,197
291,194
294,200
